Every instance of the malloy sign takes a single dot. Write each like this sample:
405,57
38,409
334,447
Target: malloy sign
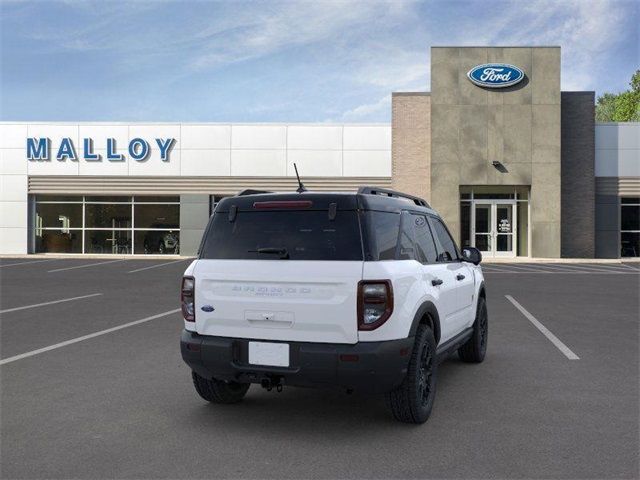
40,149
495,75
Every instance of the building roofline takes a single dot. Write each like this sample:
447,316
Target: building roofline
410,94
230,124
619,123
496,46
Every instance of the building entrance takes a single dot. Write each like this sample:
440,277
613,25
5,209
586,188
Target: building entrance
493,231
495,219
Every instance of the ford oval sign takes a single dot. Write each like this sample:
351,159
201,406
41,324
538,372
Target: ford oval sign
495,75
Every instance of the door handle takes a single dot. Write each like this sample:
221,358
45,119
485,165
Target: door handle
436,282
460,277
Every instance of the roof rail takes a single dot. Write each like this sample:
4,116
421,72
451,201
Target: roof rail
392,193
250,191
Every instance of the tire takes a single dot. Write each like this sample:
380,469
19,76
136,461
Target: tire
217,391
474,349
161,247
412,401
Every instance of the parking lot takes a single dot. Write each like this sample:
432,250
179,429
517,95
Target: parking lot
93,386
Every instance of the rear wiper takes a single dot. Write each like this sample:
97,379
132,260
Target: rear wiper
284,254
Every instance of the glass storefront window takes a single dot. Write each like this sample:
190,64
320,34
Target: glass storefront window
630,242
630,217
630,227
157,241
107,224
107,241
58,241
104,215
108,199
157,216
59,215
59,198
465,224
155,199
523,229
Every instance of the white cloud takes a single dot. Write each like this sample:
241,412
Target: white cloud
288,25
368,109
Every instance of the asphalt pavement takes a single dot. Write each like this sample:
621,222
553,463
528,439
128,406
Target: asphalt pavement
93,386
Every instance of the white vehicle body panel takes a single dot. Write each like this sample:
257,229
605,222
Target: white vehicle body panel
408,294
283,300
455,300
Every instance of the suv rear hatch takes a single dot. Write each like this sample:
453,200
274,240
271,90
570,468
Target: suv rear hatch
284,269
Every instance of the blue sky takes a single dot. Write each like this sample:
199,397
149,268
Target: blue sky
247,61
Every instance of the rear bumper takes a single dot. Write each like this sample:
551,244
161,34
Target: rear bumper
373,367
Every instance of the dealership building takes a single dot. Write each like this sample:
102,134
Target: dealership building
517,167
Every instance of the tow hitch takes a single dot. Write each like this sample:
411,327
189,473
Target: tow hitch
272,382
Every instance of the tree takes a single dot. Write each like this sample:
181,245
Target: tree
605,107
621,107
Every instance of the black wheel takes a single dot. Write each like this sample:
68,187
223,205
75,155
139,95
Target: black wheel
217,391
412,401
474,349
161,247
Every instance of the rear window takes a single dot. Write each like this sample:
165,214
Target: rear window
266,235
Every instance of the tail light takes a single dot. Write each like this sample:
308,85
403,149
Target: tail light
375,303
187,298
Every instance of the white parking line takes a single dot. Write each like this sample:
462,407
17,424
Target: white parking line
49,303
85,337
556,268
510,268
589,268
86,265
159,265
27,263
545,331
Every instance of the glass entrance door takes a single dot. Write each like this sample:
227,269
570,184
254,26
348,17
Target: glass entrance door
493,227
503,230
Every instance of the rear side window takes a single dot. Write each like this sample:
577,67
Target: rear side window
447,248
267,235
382,234
425,246
389,236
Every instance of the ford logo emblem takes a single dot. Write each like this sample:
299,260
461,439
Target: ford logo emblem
207,308
495,75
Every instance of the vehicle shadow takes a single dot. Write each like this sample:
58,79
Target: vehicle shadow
294,410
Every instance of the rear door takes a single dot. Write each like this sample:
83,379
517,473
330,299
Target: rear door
285,275
438,277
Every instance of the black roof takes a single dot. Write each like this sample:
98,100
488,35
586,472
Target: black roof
363,200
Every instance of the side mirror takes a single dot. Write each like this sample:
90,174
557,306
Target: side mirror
472,255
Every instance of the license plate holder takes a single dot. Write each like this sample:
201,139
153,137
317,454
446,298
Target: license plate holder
269,354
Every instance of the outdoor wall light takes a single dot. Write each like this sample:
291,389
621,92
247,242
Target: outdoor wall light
499,166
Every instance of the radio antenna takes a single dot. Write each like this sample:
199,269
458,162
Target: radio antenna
301,188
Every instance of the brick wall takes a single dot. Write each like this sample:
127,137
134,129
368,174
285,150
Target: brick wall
578,174
411,143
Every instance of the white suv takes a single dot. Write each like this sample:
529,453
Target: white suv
363,291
